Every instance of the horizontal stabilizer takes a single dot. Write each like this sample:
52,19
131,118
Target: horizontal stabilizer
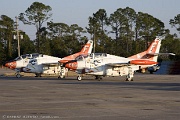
156,54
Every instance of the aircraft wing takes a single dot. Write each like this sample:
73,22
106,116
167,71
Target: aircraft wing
65,60
117,64
51,64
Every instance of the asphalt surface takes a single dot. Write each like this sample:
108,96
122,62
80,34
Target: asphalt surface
148,97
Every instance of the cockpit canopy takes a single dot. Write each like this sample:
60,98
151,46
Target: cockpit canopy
28,56
96,55
81,57
91,56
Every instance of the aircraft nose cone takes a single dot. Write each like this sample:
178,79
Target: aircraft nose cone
71,65
11,65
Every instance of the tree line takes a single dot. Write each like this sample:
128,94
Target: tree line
124,32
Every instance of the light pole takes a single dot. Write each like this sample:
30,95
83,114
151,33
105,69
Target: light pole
17,35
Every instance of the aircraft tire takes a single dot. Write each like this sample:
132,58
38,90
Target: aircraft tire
61,77
151,72
129,79
18,75
98,77
79,78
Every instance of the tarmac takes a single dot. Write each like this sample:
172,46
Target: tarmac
148,97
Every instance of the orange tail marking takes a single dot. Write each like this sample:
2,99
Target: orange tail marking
153,48
85,50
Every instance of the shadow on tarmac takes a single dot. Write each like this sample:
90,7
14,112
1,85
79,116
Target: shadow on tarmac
137,85
167,85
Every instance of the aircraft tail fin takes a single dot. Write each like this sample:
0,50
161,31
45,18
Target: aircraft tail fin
87,49
151,53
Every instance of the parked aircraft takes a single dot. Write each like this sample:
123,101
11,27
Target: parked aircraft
50,65
44,64
20,62
110,65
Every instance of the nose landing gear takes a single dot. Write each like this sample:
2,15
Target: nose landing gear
79,78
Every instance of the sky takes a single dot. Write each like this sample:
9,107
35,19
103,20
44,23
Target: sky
78,11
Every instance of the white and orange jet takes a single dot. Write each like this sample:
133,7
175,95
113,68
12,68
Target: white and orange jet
102,64
44,64
21,62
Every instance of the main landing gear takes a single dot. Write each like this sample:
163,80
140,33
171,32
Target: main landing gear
62,73
61,77
98,77
130,75
38,75
129,79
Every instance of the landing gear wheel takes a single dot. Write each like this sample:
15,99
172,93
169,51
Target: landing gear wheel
79,78
61,77
129,79
98,77
151,72
18,75
38,75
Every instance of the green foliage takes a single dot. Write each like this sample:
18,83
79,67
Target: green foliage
36,15
3,55
6,29
27,46
97,27
175,22
64,39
